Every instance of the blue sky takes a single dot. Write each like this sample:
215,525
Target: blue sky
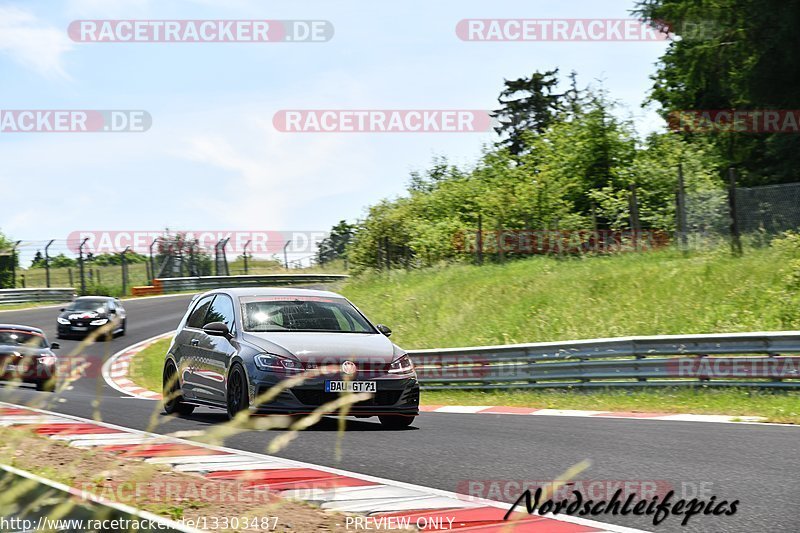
212,159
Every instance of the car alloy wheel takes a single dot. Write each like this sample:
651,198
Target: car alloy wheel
237,392
173,401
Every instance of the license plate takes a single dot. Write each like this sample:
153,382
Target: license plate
77,328
350,386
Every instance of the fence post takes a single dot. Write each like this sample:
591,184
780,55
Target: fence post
285,256
479,249
152,269
736,238
245,256
387,256
680,210
124,263
225,257
47,263
636,226
14,265
69,271
80,264
501,255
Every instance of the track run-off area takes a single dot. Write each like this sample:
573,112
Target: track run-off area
486,456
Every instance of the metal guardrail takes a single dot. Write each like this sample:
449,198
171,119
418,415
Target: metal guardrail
15,296
721,360
28,501
170,285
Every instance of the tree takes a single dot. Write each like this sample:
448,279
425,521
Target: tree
528,104
62,261
744,58
334,246
38,260
8,261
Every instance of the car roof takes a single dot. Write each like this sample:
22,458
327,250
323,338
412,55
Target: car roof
19,327
240,292
95,298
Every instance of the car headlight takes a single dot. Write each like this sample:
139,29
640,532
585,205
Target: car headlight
98,322
268,361
401,365
62,320
47,360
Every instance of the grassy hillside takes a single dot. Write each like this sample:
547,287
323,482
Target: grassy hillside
545,299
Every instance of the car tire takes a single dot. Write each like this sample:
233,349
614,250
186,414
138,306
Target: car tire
48,385
396,421
173,402
236,395
122,329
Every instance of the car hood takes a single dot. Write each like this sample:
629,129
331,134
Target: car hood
326,347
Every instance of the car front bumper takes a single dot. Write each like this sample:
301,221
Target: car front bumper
393,396
72,330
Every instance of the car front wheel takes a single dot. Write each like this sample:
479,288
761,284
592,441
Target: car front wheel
396,421
237,398
171,390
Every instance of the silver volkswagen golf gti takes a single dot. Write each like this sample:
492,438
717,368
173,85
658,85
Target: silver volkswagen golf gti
234,345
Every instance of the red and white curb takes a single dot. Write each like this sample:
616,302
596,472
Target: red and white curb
115,369
382,500
530,411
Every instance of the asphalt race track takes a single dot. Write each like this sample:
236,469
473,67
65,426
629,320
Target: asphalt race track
755,464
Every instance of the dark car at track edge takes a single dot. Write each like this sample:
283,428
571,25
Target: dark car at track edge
26,356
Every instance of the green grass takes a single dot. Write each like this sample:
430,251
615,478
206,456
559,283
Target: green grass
105,276
546,299
146,368
26,305
775,407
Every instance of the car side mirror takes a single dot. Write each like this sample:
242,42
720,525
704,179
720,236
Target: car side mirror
112,311
384,329
54,346
63,309
217,329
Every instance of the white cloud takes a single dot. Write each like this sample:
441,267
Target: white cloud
108,8
269,176
32,43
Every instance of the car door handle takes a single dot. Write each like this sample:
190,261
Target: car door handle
195,342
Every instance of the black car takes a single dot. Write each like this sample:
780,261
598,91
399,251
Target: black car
88,313
234,345
27,357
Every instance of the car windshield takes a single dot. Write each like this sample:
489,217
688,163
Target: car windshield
14,337
87,305
292,313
